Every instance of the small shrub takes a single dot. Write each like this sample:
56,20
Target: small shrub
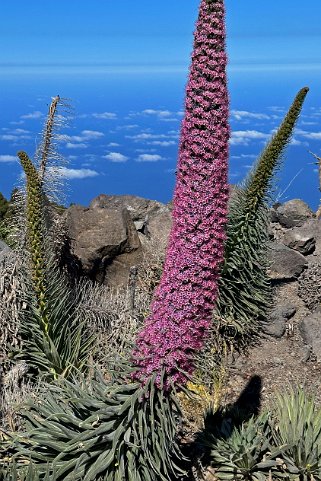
284,443
298,428
244,452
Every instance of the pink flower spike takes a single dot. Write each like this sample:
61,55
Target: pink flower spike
181,311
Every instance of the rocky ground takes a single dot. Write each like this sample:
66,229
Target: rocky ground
112,236
289,353
116,232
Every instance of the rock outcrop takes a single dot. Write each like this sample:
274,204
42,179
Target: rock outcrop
111,236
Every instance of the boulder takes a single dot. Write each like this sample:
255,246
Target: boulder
301,239
275,325
292,213
137,207
310,329
285,263
105,243
158,226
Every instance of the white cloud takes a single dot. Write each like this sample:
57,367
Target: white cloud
113,144
33,115
14,135
20,131
127,127
158,113
145,150
91,134
116,157
309,135
104,115
18,122
77,173
307,122
8,158
162,143
295,141
146,136
8,137
276,108
85,135
70,145
149,158
244,156
170,119
244,114
242,137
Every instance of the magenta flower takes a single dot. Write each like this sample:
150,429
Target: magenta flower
181,312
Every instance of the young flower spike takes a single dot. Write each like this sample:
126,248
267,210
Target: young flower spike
182,308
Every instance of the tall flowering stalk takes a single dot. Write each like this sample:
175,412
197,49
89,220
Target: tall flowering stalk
245,293
128,430
35,234
182,308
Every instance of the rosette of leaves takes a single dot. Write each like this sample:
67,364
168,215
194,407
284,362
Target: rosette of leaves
244,289
298,428
108,430
241,451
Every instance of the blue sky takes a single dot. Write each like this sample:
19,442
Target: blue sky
139,33
124,66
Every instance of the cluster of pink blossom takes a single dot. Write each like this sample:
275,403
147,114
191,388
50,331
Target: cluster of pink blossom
182,308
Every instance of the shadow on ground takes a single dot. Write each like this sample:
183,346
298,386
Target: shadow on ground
221,422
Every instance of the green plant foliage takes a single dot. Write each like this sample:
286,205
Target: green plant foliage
284,443
9,471
4,205
60,342
244,289
108,430
243,452
298,427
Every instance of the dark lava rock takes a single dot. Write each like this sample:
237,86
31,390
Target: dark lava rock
105,243
138,207
310,329
276,324
292,213
285,263
300,239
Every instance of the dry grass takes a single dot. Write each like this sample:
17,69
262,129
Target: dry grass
13,396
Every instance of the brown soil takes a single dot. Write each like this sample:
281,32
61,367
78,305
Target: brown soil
280,363
267,369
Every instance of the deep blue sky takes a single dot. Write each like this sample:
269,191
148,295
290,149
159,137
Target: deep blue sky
124,66
142,32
